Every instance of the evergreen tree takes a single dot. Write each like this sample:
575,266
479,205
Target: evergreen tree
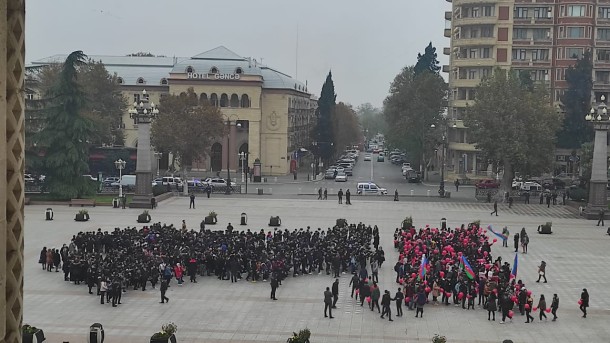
576,103
428,61
65,135
324,128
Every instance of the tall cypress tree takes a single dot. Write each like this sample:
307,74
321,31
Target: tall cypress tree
324,127
428,61
576,103
66,133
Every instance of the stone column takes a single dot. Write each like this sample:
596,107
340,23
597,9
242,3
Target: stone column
12,104
599,172
143,167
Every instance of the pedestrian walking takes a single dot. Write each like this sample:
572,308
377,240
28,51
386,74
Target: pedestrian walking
495,208
491,306
399,298
335,291
542,271
420,302
601,217
542,307
208,190
340,195
457,185
163,289
103,290
516,240
541,198
192,203
375,295
505,234
328,303
548,201
355,283
584,302
563,198
510,202
386,300
320,193
396,194
348,196
274,285
525,240
527,197
325,194
528,309
555,306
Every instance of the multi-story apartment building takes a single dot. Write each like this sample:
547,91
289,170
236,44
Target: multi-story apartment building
542,37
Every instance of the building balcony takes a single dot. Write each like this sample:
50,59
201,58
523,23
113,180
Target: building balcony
532,42
473,62
533,21
461,103
487,41
601,84
456,146
447,33
448,15
475,21
446,51
446,68
470,83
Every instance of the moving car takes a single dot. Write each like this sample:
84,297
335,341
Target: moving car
531,186
341,177
367,157
412,176
487,183
380,158
553,183
330,174
368,188
217,182
110,180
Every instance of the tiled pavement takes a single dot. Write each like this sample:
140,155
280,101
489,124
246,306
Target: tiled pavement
218,311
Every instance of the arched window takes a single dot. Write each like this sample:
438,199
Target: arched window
245,101
189,69
214,100
203,99
140,80
120,80
224,100
164,81
234,100
213,70
238,70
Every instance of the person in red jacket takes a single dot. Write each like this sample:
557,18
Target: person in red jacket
179,272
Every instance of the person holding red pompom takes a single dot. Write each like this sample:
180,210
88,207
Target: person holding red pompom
542,307
584,302
554,306
528,308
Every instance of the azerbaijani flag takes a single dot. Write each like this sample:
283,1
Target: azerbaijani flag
499,235
467,268
422,268
513,273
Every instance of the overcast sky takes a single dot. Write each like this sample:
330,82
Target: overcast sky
365,43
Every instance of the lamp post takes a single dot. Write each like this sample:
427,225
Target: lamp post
599,169
228,188
158,156
120,165
243,156
441,188
143,112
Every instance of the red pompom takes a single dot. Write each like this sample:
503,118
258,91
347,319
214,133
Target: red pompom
442,274
368,299
548,310
427,289
579,301
357,291
495,240
407,300
412,274
527,306
510,314
534,308
461,295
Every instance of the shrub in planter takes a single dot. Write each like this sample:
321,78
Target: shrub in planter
211,218
301,337
545,228
341,222
439,339
82,216
275,221
407,223
159,189
144,217
579,194
167,334
31,334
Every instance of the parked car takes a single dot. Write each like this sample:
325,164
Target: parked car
330,174
553,183
29,178
110,180
217,182
380,158
368,188
531,186
341,177
412,176
349,171
487,183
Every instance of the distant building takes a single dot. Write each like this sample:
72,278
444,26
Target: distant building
271,114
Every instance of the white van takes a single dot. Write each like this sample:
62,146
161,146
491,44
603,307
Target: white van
127,181
365,188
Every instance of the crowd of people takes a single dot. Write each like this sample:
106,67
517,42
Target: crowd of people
110,263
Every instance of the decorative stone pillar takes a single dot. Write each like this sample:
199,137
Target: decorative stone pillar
143,112
599,172
12,167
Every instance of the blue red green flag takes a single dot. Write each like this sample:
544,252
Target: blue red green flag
422,268
467,268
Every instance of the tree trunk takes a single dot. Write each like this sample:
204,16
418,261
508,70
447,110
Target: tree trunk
185,184
507,178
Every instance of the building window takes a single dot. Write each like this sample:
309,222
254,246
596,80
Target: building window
136,97
472,53
485,72
485,53
519,33
603,34
520,13
603,12
575,32
539,34
488,11
245,101
576,11
189,69
542,12
224,100
475,12
213,70
519,54
203,99
164,81
140,81
214,100
472,74
487,31
234,100
574,52
603,55
239,71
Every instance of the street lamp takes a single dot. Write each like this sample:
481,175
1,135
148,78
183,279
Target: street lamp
120,165
238,125
143,112
158,156
598,116
441,189
243,156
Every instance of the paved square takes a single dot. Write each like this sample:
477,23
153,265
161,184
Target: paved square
218,311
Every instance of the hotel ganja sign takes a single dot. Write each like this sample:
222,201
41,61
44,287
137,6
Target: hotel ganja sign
205,76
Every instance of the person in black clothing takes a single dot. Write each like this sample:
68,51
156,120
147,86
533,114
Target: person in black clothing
355,283
328,303
335,292
584,302
541,198
548,201
516,240
274,285
347,197
601,217
396,195
527,197
555,306
320,193
192,203
457,185
325,194
399,297
386,300
163,290
340,195
208,191
495,208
